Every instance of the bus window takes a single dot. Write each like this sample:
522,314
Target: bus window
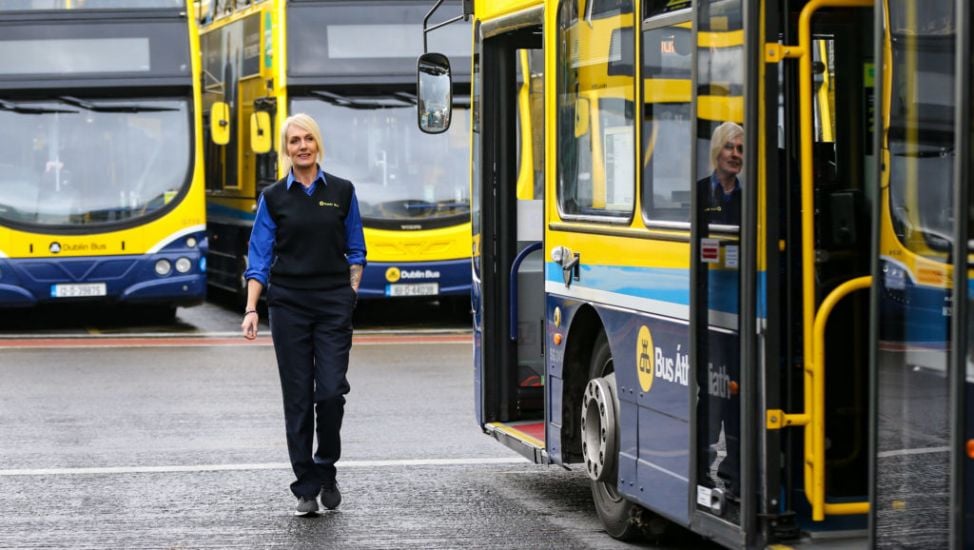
530,124
653,8
921,128
666,124
24,5
596,159
599,9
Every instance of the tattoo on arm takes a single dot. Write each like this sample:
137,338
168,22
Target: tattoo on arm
355,273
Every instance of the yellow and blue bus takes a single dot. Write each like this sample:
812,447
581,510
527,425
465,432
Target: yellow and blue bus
798,373
351,66
101,175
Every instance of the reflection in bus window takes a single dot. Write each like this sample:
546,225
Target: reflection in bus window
530,124
921,133
666,124
596,115
599,9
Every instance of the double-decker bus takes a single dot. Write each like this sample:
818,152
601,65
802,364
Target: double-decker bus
798,373
101,179
351,66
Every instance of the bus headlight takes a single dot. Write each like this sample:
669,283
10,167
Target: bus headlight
191,242
183,265
163,267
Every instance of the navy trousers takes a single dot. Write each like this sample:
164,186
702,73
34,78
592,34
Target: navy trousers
312,333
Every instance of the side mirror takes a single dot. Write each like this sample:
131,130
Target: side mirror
260,132
435,93
220,123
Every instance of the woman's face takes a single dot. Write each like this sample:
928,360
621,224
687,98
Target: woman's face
301,148
731,157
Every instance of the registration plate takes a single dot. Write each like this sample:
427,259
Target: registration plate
78,290
417,289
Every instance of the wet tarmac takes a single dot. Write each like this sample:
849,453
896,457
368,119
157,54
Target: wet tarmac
182,446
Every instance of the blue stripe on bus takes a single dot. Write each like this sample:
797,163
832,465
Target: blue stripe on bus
653,283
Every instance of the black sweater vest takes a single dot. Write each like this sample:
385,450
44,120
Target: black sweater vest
309,246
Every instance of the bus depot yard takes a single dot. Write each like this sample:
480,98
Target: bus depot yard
714,255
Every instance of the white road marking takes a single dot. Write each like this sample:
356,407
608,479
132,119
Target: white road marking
109,470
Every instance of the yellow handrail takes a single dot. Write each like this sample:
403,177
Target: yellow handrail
816,492
813,416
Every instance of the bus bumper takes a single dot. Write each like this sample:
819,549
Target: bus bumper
419,279
110,279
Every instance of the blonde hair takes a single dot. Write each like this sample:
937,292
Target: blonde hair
306,123
722,135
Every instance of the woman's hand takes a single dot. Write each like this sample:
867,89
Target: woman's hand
249,324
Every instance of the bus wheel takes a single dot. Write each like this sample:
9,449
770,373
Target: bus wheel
600,446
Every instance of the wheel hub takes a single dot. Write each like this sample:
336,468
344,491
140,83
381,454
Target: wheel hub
599,443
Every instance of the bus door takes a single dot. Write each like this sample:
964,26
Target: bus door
722,193
508,222
923,452
825,187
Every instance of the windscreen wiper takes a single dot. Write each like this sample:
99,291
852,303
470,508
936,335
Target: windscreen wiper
17,108
120,108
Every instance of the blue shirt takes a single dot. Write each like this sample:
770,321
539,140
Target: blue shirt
261,251
715,184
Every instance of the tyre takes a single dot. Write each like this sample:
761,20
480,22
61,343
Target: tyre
600,444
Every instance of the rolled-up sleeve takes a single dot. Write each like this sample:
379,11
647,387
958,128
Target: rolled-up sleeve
354,238
261,250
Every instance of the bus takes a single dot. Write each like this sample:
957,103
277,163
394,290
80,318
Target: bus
798,373
101,179
266,59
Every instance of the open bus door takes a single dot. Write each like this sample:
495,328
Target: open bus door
923,455
722,267
819,244
781,422
508,224
507,209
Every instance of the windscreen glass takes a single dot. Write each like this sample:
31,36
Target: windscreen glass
401,175
108,161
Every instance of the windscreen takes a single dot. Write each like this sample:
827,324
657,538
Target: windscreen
402,177
62,164
26,5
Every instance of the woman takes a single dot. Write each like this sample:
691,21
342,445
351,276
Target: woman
720,193
308,250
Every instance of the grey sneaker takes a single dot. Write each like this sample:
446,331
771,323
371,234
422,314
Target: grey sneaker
331,497
306,506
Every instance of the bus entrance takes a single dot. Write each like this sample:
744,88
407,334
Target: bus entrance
508,233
